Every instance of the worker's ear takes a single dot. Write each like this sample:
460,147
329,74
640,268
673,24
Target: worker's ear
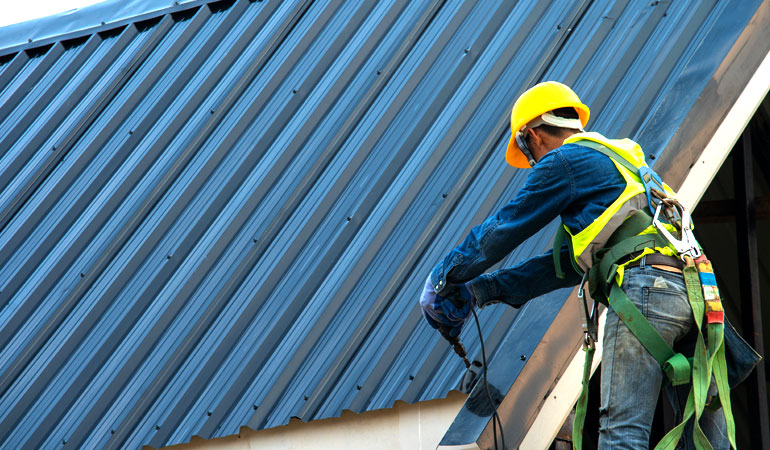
535,139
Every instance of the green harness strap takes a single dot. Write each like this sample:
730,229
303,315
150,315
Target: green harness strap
558,240
632,226
624,242
708,359
674,365
582,401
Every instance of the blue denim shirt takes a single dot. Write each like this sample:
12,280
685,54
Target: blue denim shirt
572,181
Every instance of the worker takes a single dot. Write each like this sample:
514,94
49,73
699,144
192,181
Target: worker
583,178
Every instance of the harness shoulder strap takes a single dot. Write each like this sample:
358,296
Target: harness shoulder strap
603,149
650,179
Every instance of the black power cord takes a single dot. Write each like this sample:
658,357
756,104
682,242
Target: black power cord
495,417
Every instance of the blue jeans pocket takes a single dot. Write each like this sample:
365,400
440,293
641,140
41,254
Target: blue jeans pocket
667,305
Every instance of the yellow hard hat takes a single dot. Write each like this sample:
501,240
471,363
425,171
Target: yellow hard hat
536,101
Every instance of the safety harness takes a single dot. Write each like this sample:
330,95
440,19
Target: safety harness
631,231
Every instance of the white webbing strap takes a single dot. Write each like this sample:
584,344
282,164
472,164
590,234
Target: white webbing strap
551,119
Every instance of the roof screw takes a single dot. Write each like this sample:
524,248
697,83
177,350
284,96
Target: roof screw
294,91
211,111
176,3
255,240
467,50
29,40
130,131
523,358
102,22
411,377
350,218
443,195
306,397
112,431
254,407
168,256
82,275
53,149
558,27
358,387
379,72
63,442
157,427
208,413
652,155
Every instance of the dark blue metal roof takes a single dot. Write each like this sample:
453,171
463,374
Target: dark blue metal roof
222,214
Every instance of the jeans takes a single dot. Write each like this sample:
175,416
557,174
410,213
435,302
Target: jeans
632,378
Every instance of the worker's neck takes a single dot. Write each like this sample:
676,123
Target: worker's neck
549,142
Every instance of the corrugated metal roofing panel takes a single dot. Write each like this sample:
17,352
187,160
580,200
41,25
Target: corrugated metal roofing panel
223,216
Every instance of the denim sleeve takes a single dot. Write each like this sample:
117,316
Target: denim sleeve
549,189
532,278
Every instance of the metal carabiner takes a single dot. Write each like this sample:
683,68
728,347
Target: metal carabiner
686,245
590,327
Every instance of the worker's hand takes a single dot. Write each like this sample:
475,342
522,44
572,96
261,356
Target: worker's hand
447,313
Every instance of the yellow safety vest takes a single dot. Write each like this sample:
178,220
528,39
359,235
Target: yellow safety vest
594,237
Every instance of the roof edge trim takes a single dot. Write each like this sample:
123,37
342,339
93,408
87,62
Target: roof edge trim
742,65
555,409
726,135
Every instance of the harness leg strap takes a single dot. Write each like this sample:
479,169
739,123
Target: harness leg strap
675,365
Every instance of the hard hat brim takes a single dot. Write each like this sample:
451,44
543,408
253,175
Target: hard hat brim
514,156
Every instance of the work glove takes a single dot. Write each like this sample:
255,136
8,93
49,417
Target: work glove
447,313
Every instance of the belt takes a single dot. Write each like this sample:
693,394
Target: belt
660,261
